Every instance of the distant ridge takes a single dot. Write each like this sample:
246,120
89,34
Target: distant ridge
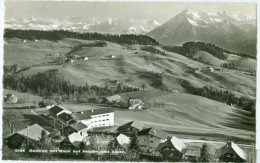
230,31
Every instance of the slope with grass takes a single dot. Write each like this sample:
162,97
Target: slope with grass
161,73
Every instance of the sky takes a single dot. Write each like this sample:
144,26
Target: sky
160,11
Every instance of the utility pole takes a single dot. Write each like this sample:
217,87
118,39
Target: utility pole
28,136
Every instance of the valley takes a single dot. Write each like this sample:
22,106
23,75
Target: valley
166,80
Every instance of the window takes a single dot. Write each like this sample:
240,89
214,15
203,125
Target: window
107,115
99,120
103,124
103,115
107,119
103,120
99,116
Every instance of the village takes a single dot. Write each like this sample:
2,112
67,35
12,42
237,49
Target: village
93,131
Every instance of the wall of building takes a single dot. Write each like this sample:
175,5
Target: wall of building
148,142
101,120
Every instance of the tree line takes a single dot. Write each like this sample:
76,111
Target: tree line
189,49
56,35
47,84
229,98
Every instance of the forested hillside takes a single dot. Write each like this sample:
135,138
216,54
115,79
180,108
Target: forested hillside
189,49
61,34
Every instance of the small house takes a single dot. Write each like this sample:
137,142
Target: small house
57,110
172,149
231,152
72,142
65,118
150,138
47,103
113,57
135,104
78,127
130,128
115,98
31,133
10,99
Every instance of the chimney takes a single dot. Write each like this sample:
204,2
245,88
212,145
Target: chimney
81,112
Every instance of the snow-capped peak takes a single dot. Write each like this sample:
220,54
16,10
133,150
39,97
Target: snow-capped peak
110,21
156,23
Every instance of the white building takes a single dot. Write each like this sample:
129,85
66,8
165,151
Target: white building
95,117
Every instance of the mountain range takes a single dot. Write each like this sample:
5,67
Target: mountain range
231,31
85,24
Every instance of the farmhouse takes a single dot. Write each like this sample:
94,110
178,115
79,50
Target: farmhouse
115,98
172,149
78,127
57,110
32,134
130,128
65,118
47,103
135,104
150,138
231,152
95,117
72,142
10,99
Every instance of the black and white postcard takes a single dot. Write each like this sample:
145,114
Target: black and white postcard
129,81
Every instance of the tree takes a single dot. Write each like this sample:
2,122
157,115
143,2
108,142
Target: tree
12,120
143,86
134,149
45,144
208,153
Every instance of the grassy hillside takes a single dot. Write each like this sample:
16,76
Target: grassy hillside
158,72
24,99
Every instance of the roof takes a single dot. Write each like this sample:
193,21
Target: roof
75,139
65,117
153,131
195,152
235,147
88,113
34,132
78,126
175,142
134,124
47,102
123,139
10,98
56,109
136,101
113,98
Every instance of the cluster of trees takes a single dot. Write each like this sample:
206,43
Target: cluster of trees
190,49
61,34
229,98
51,83
235,67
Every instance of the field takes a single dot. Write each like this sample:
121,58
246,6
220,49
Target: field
182,113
